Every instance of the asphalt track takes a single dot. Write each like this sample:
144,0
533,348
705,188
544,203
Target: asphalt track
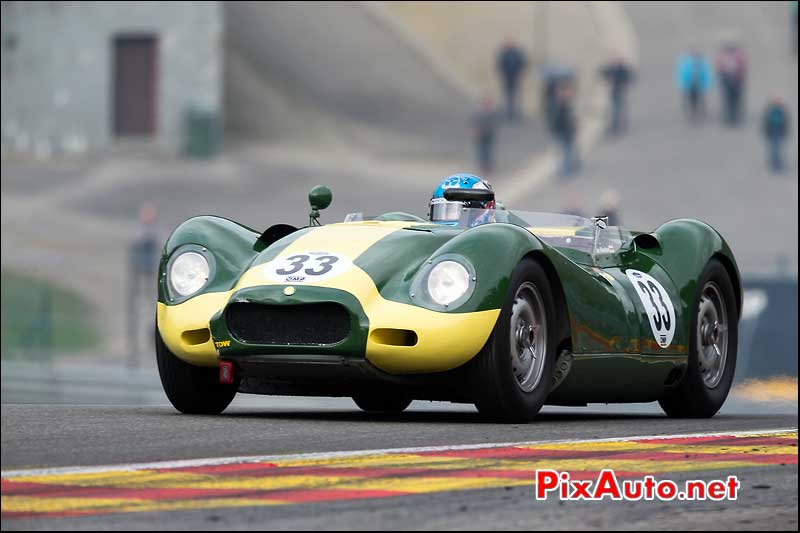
244,470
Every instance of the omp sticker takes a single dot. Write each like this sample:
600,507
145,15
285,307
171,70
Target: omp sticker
306,267
657,305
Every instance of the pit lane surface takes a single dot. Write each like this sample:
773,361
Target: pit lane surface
485,487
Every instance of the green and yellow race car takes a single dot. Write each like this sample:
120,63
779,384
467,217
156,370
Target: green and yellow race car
507,310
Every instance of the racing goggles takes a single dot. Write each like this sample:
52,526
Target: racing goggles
444,211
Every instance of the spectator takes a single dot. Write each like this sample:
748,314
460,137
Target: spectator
143,265
619,75
776,130
552,77
693,76
609,206
485,129
511,63
565,128
731,70
144,249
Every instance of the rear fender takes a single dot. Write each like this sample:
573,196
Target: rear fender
686,248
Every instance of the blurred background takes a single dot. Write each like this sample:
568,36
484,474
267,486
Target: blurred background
122,119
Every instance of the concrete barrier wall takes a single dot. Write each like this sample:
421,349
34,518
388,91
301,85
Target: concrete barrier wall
768,329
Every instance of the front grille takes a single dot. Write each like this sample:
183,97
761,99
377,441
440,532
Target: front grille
309,324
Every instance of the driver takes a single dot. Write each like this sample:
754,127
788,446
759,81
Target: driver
449,213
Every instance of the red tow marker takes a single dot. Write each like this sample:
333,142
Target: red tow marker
225,373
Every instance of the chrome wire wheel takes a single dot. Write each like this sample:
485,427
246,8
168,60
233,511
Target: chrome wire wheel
712,335
528,337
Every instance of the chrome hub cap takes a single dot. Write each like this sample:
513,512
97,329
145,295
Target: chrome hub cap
712,335
528,337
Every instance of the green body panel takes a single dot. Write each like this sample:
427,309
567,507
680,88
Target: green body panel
686,247
641,333
614,378
493,249
616,358
234,247
601,316
241,247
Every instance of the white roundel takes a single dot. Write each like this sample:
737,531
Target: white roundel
657,305
306,267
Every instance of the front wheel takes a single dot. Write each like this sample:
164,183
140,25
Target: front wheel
191,389
513,374
713,343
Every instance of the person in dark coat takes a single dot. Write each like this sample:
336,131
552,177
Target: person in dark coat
511,64
484,126
731,72
619,75
565,128
775,126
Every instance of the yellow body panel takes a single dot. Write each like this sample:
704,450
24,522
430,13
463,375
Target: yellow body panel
444,340
565,231
192,314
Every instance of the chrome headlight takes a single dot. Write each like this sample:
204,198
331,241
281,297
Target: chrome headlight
445,283
188,273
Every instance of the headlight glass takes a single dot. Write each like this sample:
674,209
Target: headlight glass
447,282
188,273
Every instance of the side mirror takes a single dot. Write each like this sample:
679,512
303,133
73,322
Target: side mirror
468,195
320,197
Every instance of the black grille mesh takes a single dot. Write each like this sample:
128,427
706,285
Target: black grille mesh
321,323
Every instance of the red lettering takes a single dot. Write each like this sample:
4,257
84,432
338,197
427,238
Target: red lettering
546,481
581,490
607,485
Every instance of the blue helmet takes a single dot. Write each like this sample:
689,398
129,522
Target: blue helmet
445,212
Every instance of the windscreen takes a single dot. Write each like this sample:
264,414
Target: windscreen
556,229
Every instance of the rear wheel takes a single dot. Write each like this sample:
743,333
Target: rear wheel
513,374
712,348
381,403
191,389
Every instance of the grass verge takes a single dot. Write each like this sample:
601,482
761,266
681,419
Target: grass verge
41,319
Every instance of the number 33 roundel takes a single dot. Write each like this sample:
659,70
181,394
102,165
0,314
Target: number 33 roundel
306,267
657,305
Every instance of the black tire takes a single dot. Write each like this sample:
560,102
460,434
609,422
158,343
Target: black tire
693,398
382,403
192,389
497,392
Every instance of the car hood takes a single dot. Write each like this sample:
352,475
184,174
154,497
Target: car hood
389,252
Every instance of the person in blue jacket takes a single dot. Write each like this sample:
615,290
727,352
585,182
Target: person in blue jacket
694,78
775,127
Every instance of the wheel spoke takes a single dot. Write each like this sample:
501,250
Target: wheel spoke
712,342
527,330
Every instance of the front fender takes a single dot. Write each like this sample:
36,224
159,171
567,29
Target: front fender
232,246
494,250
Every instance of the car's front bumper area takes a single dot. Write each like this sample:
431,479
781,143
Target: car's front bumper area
390,337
